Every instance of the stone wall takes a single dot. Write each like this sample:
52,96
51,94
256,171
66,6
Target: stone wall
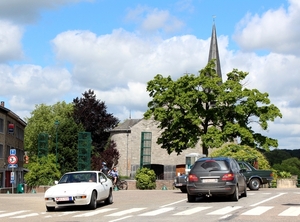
287,183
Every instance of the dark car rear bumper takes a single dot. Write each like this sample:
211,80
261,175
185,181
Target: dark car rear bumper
225,190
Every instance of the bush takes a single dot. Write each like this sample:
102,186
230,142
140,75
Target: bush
145,179
242,153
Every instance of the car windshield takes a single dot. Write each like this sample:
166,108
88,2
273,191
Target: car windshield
78,177
211,165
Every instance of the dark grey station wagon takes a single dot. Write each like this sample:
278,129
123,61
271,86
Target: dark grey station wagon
217,176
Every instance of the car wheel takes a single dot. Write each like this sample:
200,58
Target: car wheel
244,194
50,209
191,198
235,195
93,201
183,190
254,184
109,199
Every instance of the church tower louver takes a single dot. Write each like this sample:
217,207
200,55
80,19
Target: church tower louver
214,51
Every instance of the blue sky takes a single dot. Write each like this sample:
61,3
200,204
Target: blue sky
55,50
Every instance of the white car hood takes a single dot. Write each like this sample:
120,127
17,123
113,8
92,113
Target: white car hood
69,189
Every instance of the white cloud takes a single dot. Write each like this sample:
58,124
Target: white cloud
106,61
154,20
10,41
275,30
27,85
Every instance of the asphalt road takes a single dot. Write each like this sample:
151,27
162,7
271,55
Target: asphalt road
267,204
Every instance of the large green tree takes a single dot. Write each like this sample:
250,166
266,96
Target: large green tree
201,107
42,120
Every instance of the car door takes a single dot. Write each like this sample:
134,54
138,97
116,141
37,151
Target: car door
103,188
240,176
247,170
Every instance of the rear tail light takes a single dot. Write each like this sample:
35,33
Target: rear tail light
228,177
193,178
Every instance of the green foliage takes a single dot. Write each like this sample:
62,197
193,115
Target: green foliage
145,179
277,156
42,121
291,165
242,153
284,174
198,107
42,171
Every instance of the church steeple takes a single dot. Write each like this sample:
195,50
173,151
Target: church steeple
214,51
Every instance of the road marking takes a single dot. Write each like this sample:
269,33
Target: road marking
224,210
292,211
123,212
173,203
192,211
122,218
95,212
257,210
226,216
13,213
156,212
253,205
27,215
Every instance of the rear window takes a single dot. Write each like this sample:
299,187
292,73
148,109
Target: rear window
211,165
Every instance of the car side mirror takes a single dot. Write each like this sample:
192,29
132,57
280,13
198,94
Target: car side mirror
102,180
56,182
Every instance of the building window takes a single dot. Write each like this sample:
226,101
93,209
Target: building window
146,149
1,151
1,125
19,133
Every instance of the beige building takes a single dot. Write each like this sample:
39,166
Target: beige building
11,145
136,143
136,140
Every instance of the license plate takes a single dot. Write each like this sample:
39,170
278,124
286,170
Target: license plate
63,199
178,184
209,180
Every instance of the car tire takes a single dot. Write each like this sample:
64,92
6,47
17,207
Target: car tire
50,209
254,184
109,199
93,201
191,198
235,195
244,194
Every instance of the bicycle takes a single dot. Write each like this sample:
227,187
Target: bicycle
120,184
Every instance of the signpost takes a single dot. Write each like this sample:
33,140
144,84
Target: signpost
13,163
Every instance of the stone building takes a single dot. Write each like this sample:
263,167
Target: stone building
136,140
11,144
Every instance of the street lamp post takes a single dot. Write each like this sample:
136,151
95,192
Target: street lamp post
56,126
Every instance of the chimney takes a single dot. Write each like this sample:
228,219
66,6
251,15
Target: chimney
2,103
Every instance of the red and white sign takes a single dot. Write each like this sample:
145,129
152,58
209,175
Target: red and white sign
12,159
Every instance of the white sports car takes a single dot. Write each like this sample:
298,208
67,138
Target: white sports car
80,188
